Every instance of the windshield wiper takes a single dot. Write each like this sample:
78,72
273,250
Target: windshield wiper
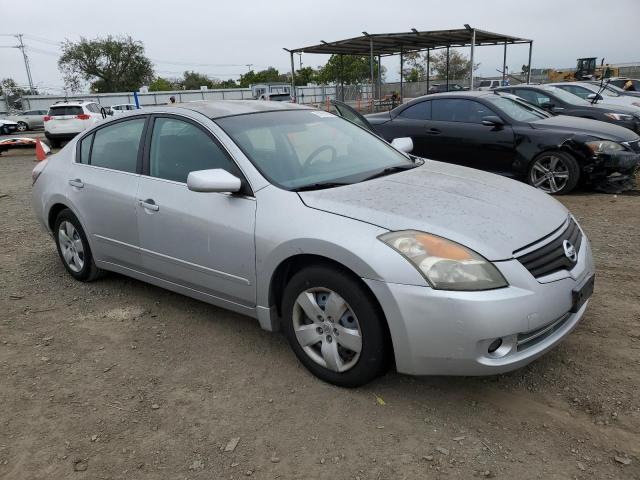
390,170
319,186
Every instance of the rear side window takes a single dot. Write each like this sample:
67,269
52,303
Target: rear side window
85,149
65,110
116,146
419,111
459,110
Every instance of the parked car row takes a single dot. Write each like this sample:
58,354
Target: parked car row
363,255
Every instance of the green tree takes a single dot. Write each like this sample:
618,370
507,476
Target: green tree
459,64
10,90
195,80
306,75
230,83
160,84
415,69
110,64
352,69
270,75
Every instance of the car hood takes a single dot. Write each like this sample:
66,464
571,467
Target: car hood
490,214
601,130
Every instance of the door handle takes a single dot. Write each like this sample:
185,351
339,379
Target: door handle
149,204
433,131
76,182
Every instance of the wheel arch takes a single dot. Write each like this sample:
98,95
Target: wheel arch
293,264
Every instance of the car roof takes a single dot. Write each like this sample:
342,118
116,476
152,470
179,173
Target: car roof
227,108
78,103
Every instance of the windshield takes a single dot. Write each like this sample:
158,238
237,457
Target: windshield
518,110
298,148
565,96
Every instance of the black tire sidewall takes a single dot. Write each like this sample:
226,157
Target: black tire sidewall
373,357
88,268
572,166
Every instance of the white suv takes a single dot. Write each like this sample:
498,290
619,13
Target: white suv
66,119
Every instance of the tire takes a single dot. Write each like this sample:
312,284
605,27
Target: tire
554,172
334,357
22,127
73,247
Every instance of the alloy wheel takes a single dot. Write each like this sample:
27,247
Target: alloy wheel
327,329
71,246
549,173
22,127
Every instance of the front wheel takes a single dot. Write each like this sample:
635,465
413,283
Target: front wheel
554,172
334,326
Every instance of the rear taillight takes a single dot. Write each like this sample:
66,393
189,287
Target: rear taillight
83,116
47,118
37,171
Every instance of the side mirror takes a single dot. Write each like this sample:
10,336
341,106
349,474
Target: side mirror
214,180
492,121
404,144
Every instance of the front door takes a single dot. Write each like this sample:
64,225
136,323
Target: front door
202,241
102,186
459,136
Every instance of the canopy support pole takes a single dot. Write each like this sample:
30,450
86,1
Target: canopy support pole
294,99
504,64
448,46
473,48
428,67
341,77
371,60
529,64
379,76
401,74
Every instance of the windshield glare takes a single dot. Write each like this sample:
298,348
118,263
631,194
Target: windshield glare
565,96
296,148
518,110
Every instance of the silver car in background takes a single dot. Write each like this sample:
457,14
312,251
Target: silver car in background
362,254
29,120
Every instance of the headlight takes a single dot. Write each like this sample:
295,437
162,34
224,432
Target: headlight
621,117
604,146
446,265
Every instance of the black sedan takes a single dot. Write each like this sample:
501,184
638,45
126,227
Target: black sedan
557,101
506,135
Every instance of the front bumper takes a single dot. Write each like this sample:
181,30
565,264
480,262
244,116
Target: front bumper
613,172
437,332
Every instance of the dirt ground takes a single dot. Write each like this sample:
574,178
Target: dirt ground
121,380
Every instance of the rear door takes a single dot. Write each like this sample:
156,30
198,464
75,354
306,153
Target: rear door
202,241
458,136
102,186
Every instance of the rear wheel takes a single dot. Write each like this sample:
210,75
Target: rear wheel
73,247
22,127
334,327
554,172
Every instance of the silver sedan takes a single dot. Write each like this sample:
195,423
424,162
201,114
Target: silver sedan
363,255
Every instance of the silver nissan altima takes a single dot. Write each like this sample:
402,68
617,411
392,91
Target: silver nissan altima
361,254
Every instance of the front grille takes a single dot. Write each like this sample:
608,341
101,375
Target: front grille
551,258
529,339
635,146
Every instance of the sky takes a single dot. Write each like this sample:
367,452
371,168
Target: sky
221,38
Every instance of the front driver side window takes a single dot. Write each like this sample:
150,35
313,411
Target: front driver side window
179,147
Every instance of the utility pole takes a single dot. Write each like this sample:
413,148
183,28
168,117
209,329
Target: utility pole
249,65
26,62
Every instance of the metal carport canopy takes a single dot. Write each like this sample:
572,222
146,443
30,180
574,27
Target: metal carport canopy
407,42
386,44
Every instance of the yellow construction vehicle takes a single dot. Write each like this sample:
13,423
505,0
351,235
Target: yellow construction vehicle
586,69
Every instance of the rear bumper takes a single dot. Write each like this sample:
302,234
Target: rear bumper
60,136
437,332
